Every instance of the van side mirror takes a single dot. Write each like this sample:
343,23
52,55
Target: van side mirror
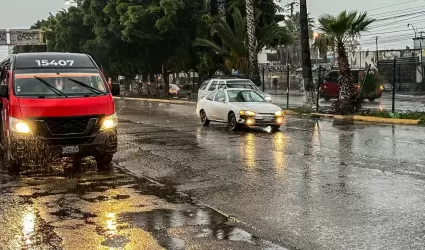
4,91
221,100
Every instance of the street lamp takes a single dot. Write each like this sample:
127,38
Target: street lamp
413,27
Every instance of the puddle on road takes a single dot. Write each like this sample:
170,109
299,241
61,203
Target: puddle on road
179,229
93,210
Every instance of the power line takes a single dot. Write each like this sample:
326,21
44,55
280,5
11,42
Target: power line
386,13
392,5
391,32
394,25
402,15
398,21
385,41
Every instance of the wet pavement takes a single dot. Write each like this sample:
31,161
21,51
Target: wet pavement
109,210
313,185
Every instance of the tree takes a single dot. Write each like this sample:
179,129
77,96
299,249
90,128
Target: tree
306,58
235,40
292,23
341,29
254,72
324,44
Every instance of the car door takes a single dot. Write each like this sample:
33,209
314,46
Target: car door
208,105
220,106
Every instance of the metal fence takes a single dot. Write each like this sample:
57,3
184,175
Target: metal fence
404,87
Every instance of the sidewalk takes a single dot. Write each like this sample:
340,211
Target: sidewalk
292,92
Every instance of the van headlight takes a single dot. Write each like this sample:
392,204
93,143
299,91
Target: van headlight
110,122
19,126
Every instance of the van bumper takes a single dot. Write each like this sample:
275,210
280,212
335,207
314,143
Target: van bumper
29,148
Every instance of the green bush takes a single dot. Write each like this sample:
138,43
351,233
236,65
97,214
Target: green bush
414,115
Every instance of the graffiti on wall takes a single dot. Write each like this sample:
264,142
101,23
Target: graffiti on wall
26,37
361,59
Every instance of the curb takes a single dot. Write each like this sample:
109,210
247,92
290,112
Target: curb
385,120
372,119
154,100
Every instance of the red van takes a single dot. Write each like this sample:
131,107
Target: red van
55,105
330,86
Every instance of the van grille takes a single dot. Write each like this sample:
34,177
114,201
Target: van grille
62,126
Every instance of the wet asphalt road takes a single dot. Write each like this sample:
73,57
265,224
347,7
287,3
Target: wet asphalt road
313,185
110,210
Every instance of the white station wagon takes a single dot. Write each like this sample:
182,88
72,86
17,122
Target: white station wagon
239,108
231,83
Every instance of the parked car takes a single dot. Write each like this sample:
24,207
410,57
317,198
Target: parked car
210,85
330,87
239,107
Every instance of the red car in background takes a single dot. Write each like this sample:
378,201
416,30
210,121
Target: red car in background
330,87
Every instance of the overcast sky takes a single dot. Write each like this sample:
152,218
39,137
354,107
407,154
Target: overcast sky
393,32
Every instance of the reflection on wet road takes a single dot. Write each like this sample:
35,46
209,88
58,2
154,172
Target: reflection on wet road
313,185
94,210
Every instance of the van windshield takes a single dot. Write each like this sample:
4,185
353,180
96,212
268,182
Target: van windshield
59,84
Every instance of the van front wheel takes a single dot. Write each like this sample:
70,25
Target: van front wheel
104,161
13,165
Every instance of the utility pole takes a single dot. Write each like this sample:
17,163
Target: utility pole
291,6
377,51
306,59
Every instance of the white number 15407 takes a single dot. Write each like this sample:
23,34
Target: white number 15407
54,63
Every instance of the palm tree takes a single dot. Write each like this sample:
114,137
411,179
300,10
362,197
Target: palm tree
235,40
341,29
254,72
221,6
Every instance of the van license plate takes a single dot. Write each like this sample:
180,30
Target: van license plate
70,150
267,119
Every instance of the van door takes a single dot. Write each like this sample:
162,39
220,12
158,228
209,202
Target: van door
6,75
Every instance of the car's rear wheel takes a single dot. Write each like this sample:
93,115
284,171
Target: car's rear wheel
371,99
204,118
233,124
104,161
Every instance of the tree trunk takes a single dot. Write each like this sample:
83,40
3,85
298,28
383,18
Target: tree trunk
254,72
306,59
347,91
166,76
221,6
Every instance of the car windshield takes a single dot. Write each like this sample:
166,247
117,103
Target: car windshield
56,85
244,96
